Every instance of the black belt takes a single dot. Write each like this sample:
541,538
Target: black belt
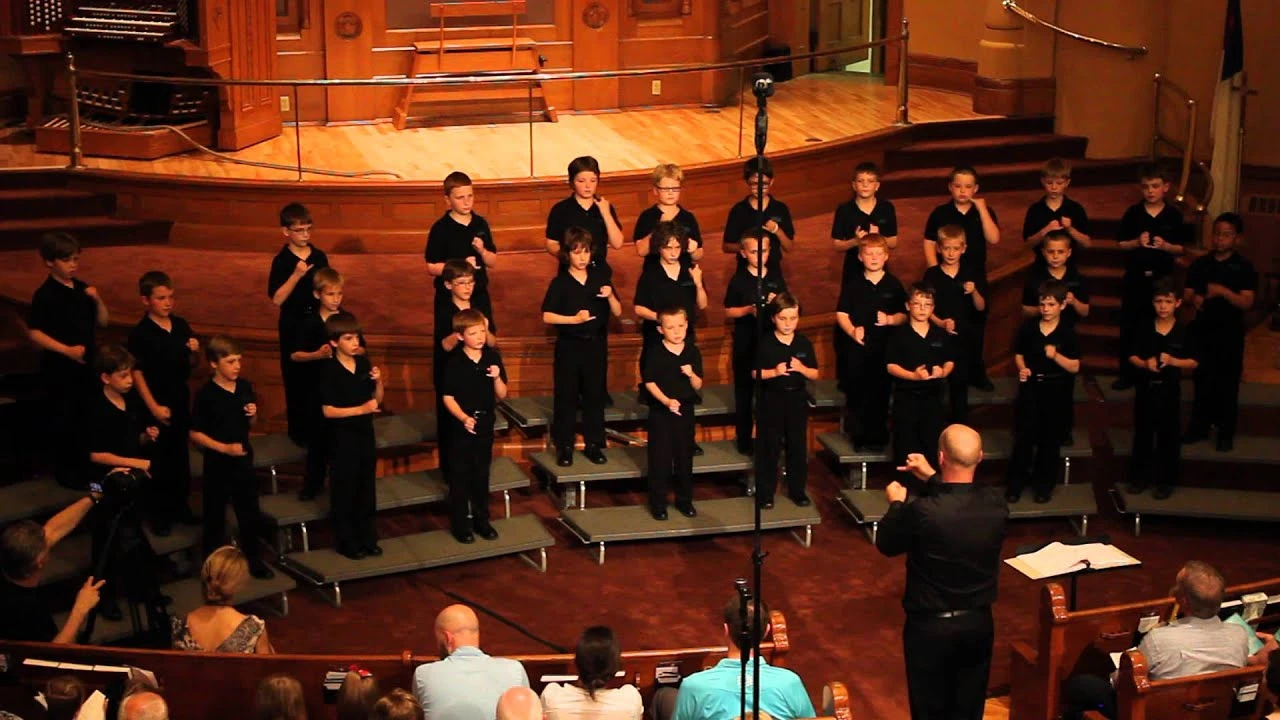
947,613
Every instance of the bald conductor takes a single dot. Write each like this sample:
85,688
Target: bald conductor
465,684
951,532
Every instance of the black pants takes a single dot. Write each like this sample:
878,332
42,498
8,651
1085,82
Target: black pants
296,388
1157,409
744,395
976,341
948,663
868,395
65,431
1088,692
171,461
231,479
470,457
670,452
579,374
1217,386
1136,312
784,424
438,360
1040,413
317,463
352,495
917,420
122,555
958,387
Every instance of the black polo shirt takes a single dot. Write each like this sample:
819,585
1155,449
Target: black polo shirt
116,431
657,290
303,296
1147,342
449,239
1038,274
742,292
445,307
849,219
949,299
971,220
67,315
774,351
467,382
568,213
341,388
1237,275
1039,214
743,217
1166,224
909,350
24,614
860,299
164,359
219,413
662,368
1030,344
952,534
566,296
652,215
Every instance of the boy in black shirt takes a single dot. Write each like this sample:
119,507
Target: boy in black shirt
164,346
1160,353
1152,233
461,234
579,301
981,228
667,179
1055,211
1221,286
474,381
787,361
461,284
1055,264
671,281
672,376
65,314
586,210
870,305
224,409
959,294
1047,356
350,395
758,173
919,357
750,292
289,287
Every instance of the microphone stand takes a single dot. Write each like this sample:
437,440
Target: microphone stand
743,640
762,88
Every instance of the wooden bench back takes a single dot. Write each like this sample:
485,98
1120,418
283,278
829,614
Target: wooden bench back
1211,696
478,8
1068,643
215,686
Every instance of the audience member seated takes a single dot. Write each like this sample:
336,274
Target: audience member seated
144,705
466,683
1272,683
1198,643
216,626
356,696
280,698
63,696
24,551
598,660
715,693
519,703
399,704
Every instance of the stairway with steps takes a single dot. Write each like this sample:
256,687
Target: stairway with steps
34,203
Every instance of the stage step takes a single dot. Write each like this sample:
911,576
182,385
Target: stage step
1248,449
73,557
825,394
868,507
24,179
98,230
414,489
631,463
535,411
982,127
270,452
34,498
419,551
1252,394
723,516
988,150
1200,502
29,203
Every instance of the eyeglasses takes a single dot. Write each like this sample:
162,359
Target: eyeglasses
659,188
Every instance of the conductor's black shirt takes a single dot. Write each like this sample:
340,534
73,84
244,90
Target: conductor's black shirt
24,614
951,534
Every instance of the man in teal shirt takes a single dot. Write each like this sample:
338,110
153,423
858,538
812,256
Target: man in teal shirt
716,693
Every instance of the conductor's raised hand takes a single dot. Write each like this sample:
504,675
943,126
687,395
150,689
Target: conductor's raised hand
88,595
895,492
917,465
584,316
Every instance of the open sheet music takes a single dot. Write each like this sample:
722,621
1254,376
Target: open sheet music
1059,559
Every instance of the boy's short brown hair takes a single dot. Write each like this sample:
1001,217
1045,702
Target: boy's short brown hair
1055,289
761,166
454,269
951,232
469,318
398,704
1056,169
672,311
753,233
341,323
784,301
962,170
1056,236
58,246
873,240
294,213
579,165
574,238
221,346
326,277
454,180
21,545
922,289
151,280
667,171
664,232
866,168
1152,171
111,359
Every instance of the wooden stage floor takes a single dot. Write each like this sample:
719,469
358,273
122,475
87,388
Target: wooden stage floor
811,109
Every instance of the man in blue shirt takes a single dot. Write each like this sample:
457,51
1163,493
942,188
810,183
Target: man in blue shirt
715,693
466,683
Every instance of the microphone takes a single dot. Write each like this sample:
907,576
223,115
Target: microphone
762,84
740,584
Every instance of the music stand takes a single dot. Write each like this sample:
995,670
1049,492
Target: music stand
1074,575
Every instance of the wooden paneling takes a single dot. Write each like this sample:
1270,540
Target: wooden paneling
1013,96
249,114
350,29
944,73
595,48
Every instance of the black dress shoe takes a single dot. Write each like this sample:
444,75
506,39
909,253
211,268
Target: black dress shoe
110,610
466,538
374,550
746,448
1162,492
766,504
353,554
595,454
1225,444
1136,488
1122,383
486,531
687,509
697,450
802,501
564,457
1012,496
1043,497
1192,437
307,494
658,513
261,571
985,385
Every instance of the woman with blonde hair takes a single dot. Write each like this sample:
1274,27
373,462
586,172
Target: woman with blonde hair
356,696
280,698
216,626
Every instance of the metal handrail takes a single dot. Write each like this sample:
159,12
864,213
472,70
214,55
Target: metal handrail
1133,50
1160,83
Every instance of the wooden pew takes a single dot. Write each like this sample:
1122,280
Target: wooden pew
214,686
1070,642
1211,696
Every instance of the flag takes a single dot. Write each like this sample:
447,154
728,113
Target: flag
1226,119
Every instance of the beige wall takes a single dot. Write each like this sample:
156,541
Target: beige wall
945,28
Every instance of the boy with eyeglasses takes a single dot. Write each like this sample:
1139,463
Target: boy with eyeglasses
289,287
